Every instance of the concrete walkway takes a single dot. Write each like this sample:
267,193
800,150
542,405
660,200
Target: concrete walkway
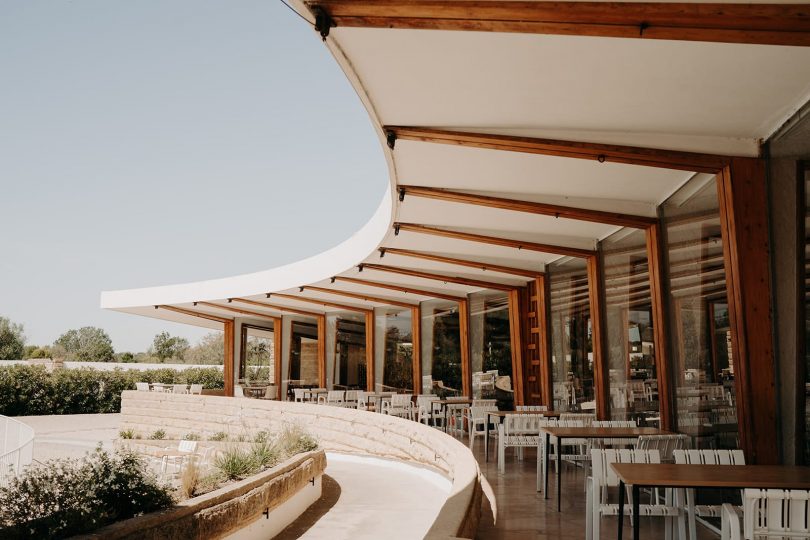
371,498
71,436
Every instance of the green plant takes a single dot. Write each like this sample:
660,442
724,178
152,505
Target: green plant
235,463
190,479
158,435
69,497
261,436
191,436
127,433
294,439
218,436
265,454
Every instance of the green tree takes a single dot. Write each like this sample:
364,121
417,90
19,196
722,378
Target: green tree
12,340
165,346
87,344
210,350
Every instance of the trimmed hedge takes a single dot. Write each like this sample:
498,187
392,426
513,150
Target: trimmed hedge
33,390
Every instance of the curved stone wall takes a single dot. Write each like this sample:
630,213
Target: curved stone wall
337,429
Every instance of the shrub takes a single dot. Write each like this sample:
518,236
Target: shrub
68,497
265,454
127,434
218,436
191,437
158,435
235,463
189,479
261,436
293,439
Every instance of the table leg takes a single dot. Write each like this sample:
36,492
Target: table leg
636,496
445,417
621,508
559,471
545,465
486,439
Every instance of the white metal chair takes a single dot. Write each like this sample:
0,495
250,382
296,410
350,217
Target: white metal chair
270,392
531,408
298,395
478,418
142,386
704,457
400,405
604,477
608,443
333,397
519,431
238,392
426,410
179,389
665,444
196,389
586,418
174,464
768,513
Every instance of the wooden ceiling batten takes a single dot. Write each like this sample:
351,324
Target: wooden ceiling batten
764,24
632,155
277,307
399,288
462,262
241,311
530,207
439,277
192,313
321,302
361,296
494,240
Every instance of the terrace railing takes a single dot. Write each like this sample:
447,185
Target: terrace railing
16,447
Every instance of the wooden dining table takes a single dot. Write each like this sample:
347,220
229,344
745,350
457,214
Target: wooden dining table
668,475
444,403
500,415
588,432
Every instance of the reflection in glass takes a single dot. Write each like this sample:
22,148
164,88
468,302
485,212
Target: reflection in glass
441,348
303,369
629,330
702,359
258,359
394,350
571,346
349,359
490,344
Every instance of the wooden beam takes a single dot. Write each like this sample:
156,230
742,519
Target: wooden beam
543,307
361,296
247,312
479,265
277,307
664,159
528,207
516,341
655,260
763,24
229,342
438,277
416,346
464,343
743,197
278,340
319,301
322,351
494,240
192,313
601,377
370,367
399,288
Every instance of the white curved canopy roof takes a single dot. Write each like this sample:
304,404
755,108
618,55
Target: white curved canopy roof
716,98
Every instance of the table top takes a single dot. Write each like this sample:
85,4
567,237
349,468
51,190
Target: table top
379,394
315,390
454,401
721,476
552,414
601,432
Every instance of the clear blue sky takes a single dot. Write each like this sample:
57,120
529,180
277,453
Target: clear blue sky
150,142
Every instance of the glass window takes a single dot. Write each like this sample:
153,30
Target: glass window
806,172
702,359
303,368
629,330
490,344
394,336
441,348
258,358
349,360
571,347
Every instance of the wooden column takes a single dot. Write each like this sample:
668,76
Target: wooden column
655,263
278,340
542,285
516,345
742,192
464,342
321,351
227,367
601,374
416,354
370,375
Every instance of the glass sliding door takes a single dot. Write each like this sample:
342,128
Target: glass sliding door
257,363
633,378
394,334
349,359
303,368
490,344
702,359
441,348
571,335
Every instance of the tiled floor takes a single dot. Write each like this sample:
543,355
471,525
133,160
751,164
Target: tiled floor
523,513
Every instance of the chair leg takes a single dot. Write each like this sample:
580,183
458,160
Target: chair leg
588,508
690,508
501,456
